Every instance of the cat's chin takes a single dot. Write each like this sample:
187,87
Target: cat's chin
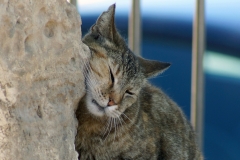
94,108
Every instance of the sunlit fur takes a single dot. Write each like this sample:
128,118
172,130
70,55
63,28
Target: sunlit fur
122,116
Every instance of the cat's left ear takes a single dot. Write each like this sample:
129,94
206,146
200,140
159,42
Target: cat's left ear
105,24
152,68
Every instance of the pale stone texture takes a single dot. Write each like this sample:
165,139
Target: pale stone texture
41,79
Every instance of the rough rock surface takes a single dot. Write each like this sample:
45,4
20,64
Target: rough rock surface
41,80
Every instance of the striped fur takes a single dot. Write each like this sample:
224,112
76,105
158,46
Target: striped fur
122,116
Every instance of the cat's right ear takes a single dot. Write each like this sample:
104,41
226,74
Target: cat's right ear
151,68
105,25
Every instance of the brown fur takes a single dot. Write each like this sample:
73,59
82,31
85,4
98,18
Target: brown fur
141,122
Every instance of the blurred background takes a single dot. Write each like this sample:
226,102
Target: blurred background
167,36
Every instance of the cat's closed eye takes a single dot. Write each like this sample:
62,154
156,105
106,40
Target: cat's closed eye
111,75
129,92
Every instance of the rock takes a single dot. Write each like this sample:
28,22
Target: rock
41,79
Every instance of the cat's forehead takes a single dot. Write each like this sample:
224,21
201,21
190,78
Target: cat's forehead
126,60
123,62
126,69
130,63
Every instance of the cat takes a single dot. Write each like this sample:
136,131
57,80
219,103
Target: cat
122,116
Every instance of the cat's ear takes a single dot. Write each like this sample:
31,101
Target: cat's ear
152,68
105,24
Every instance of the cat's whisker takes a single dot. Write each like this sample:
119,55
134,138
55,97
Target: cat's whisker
110,128
89,86
89,75
86,75
106,128
127,117
87,66
103,129
119,113
96,90
114,119
120,121
123,129
88,90
91,80
119,125
88,81
115,113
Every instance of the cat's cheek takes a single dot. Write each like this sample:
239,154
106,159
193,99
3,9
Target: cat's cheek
94,110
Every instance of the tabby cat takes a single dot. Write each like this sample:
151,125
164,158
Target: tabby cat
122,116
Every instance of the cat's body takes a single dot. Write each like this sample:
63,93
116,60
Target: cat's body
122,116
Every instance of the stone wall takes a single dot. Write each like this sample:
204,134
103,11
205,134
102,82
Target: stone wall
41,80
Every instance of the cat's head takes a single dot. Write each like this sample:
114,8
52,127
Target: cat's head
114,75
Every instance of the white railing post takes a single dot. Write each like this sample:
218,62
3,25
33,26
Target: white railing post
134,28
197,88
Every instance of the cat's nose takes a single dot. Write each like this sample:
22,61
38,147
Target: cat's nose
111,102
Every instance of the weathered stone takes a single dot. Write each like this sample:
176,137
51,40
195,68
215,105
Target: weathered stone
41,79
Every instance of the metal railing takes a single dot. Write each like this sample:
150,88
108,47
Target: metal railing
198,47
197,87
135,28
